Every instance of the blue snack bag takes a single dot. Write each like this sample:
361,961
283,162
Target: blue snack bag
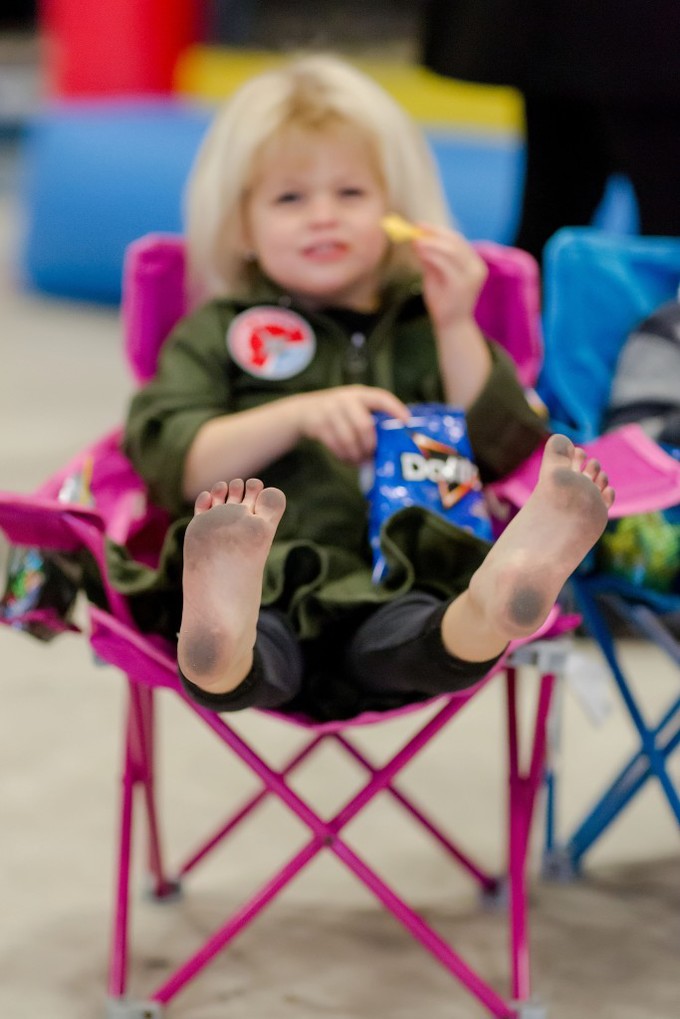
426,462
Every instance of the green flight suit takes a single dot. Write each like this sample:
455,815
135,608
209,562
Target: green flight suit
319,568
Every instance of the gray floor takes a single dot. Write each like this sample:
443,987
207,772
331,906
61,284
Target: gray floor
607,945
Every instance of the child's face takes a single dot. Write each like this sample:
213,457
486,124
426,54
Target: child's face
312,218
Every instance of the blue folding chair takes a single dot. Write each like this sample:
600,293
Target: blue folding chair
597,287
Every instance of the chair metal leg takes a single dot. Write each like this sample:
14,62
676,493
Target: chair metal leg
657,742
119,942
555,864
143,733
523,788
137,770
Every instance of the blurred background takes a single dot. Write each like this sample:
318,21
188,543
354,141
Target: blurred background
110,110
100,115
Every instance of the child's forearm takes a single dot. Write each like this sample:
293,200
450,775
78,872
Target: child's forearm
240,445
464,361
453,277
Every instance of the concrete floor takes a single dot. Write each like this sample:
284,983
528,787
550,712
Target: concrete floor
607,945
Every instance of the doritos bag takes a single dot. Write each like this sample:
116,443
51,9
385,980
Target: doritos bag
427,462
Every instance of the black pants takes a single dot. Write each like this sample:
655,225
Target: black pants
394,656
573,147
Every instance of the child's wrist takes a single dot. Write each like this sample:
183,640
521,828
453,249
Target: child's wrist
456,327
291,407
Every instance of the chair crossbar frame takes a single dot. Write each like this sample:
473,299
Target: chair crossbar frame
138,772
488,882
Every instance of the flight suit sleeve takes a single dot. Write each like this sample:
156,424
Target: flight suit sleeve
503,429
190,388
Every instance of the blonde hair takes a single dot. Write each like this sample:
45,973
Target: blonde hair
313,93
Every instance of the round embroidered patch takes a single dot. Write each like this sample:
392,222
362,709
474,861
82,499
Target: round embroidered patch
270,342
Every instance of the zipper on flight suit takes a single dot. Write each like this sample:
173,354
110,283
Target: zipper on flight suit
356,361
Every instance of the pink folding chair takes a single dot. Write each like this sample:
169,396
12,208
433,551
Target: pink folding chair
153,300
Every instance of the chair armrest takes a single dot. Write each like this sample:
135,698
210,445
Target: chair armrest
644,477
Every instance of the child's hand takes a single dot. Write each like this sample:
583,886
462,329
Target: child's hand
453,275
341,418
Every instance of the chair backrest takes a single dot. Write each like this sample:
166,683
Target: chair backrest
154,298
596,288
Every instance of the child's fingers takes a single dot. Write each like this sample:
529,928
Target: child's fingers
450,274
363,432
453,251
443,235
342,419
351,428
442,271
375,399
350,434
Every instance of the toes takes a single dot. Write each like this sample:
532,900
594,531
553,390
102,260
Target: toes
579,458
592,469
236,488
218,493
253,488
268,503
203,503
560,445
602,480
608,496
271,502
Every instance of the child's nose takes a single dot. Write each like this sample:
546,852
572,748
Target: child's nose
324,209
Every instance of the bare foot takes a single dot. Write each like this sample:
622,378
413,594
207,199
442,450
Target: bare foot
519,581
225,549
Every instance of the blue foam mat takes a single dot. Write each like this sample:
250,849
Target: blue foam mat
98,174
95,177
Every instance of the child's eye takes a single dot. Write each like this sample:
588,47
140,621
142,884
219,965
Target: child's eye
287,197
352,192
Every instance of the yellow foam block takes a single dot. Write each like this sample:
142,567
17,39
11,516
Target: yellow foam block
213,73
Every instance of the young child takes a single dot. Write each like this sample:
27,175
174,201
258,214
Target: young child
311,321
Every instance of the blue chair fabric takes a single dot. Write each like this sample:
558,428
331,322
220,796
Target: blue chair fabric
597,287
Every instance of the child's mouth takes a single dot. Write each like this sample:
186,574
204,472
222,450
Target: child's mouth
325,251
